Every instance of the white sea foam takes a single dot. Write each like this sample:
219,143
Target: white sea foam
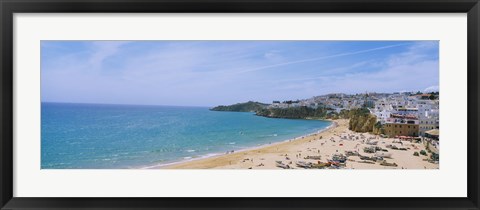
185,159
269,135
188,159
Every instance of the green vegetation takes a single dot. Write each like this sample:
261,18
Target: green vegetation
427,147
378,128
423,153
360,119
301,112
434,95
416,154
250,106
291,102
344,114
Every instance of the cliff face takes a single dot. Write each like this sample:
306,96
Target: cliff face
361,120
301,112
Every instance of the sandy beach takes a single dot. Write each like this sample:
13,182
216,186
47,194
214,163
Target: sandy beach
320,147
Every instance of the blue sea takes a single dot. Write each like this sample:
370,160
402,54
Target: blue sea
97,136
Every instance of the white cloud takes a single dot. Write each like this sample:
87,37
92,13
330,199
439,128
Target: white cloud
104,49
318,58
180,72
412,70
273,55
431,89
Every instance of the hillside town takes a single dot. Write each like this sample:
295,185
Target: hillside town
398,115
368,131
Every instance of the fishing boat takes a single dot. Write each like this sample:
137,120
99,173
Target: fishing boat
351,153
313,157
339,158
383,154
368,158
385,163
303,164
321,165
282,165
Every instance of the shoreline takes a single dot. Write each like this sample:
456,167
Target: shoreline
320,146
216,155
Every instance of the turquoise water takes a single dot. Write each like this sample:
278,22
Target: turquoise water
94,136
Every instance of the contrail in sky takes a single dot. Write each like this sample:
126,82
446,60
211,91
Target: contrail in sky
319,58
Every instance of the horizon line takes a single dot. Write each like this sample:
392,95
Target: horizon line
210,106
121,104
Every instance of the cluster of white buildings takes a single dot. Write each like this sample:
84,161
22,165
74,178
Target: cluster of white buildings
335,102
413,110
419,109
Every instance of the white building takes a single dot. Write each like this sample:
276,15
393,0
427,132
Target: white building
428,115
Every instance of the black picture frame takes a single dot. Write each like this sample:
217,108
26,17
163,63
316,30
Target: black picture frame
10,7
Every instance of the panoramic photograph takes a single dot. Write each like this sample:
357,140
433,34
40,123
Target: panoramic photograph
235,104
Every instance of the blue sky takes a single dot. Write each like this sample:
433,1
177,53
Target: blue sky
209,73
